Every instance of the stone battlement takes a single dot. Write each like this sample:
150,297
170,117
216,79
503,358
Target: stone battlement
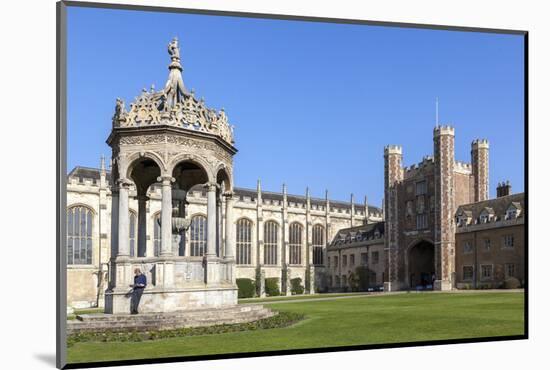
463,167
444,130
480,144
393,149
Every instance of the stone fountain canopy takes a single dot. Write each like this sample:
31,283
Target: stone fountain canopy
173,106
171,139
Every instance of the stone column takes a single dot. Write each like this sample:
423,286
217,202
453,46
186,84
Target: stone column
230,236
212,270
211,219
142,226
166,216
229,227
114,236
123,219
219,222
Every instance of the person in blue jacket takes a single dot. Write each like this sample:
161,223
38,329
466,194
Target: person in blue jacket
140,282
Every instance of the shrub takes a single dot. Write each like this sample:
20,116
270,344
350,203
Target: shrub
280,320
247,288
272,287
296,286
512,283
361,278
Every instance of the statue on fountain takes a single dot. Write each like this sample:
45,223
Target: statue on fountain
174,90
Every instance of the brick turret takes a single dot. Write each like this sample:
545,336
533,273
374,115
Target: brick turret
444,161
393,174
480,169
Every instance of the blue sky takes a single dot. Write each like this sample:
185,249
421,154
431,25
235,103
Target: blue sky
313,104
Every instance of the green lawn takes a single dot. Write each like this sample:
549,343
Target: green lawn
342,322
298,297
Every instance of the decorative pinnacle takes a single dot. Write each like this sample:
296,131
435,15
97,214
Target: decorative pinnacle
307,191
102,166
259,186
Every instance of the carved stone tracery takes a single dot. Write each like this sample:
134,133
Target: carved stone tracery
173,106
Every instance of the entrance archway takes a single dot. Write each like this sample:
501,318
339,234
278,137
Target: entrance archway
421,265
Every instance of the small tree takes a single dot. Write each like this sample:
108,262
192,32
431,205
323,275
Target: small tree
272,287
296,286
361,278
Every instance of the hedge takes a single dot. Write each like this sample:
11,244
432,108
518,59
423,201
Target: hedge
247,288
280,320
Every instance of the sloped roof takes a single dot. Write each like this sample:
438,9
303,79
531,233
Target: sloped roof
497,205
358,234
87,173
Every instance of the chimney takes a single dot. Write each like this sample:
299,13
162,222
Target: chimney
504,189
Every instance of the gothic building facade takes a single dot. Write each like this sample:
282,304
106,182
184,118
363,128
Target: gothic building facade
355,258
490,241
168,205
274,232
421,204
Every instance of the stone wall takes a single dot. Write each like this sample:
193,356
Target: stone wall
472,251
83,290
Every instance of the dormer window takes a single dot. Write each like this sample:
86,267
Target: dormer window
487,215
463,218
513,211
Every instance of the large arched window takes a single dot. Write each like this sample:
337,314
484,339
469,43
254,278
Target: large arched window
244,241
132,229
79,235
156,234
271,230
198,235
295,243
318,244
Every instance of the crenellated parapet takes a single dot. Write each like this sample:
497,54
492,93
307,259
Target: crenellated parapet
393,149
444,130
480,144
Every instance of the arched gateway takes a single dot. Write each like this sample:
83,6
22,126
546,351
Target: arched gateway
421,265
170,140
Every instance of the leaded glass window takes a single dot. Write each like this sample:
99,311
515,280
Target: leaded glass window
198,235
271,230
318,244
295,244
79,235
244,241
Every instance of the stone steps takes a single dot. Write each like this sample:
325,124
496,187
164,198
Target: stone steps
169,320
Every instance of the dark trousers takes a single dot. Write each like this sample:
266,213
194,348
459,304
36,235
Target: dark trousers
136,297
